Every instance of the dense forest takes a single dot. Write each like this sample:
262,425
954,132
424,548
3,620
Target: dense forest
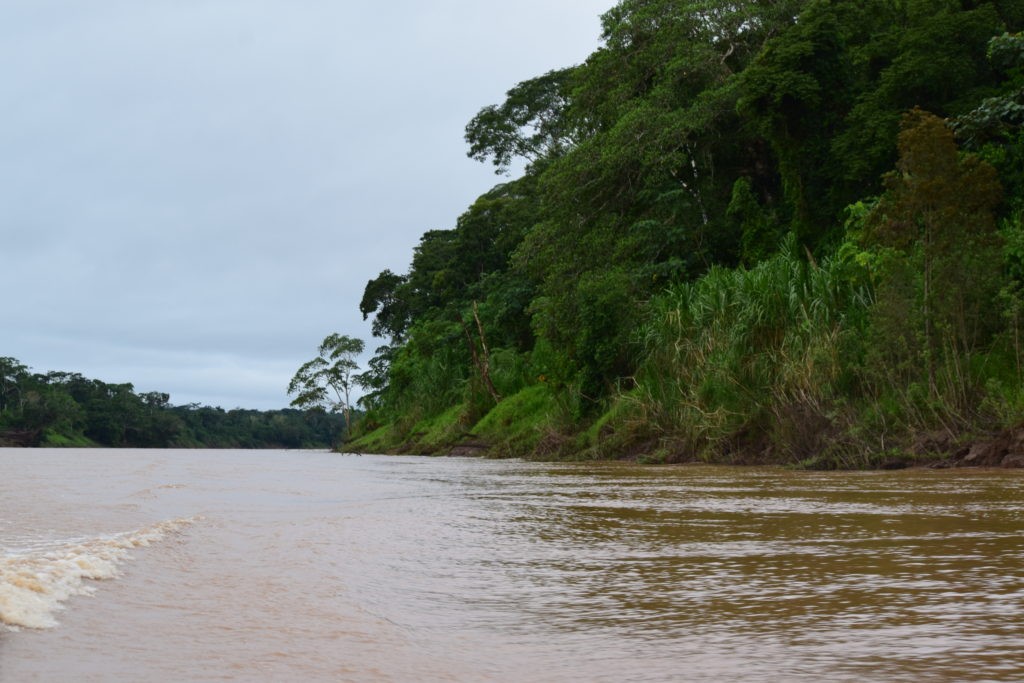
67,409
759,231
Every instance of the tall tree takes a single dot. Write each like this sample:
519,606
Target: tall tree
12,375
326,381
937,216
530,124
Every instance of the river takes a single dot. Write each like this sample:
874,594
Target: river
129,565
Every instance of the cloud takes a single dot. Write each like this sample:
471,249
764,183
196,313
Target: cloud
195,192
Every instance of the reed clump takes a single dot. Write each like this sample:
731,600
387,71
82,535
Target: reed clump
747,363
804,363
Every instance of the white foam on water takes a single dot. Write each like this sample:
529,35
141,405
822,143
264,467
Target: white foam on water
35,582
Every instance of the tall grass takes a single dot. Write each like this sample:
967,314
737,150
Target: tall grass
795,361
750,361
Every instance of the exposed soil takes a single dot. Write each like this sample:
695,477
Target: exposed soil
1005,449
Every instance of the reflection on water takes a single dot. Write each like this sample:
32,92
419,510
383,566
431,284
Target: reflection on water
312,566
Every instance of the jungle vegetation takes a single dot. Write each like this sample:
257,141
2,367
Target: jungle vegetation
67,409
758,231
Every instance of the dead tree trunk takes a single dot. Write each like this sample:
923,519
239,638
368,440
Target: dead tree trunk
481,359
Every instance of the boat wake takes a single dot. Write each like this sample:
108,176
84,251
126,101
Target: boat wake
36,581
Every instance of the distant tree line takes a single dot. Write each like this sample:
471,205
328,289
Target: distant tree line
67,409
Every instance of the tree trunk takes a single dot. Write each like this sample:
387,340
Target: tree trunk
482,364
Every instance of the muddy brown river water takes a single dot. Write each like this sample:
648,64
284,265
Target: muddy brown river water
129,565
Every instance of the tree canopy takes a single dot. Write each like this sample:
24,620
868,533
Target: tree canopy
710,137
326,382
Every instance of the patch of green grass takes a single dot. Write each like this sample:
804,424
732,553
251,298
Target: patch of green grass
428,436
381,440
438,433
373,433
52,439
523,424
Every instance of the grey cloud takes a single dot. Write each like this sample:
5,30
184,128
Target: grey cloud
193,193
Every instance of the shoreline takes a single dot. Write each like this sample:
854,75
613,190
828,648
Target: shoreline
1004,450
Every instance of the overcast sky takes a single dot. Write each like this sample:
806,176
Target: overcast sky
193,193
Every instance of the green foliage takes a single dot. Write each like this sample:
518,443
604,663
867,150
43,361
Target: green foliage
530,124
383,298
327,380
760,230
382,438
13,376
67,409
938,359
934,225
438,432
748,359
1002,115
375,381
591,326
526,423
429,372
1012,293
797,91
56,439
705,249
461,297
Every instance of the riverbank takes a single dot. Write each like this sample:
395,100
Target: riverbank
520,428
1005,450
